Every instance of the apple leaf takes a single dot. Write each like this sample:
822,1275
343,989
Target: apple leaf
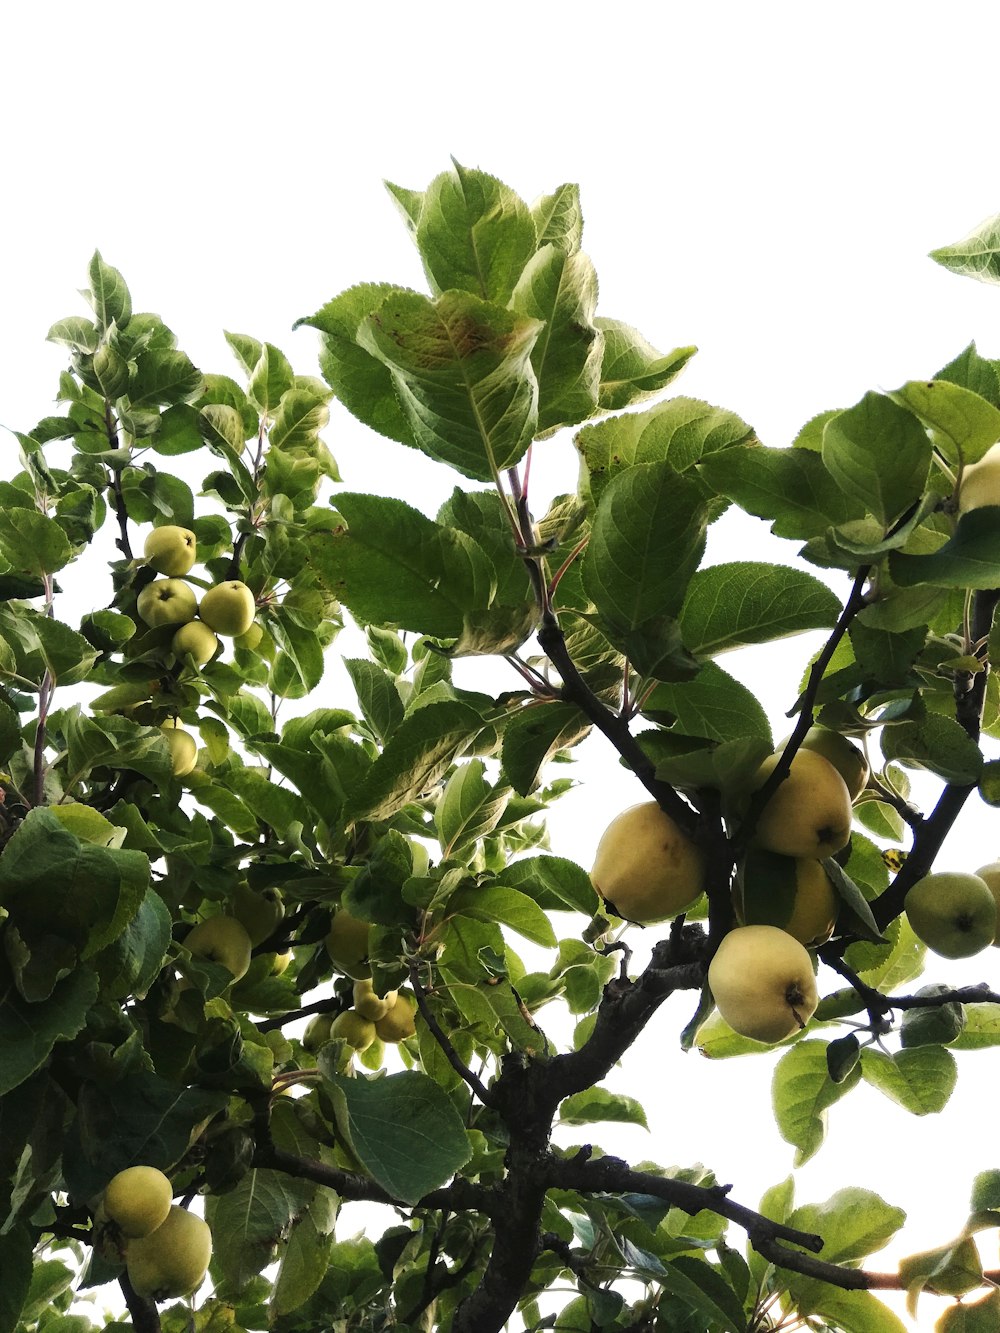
969,559
558,218
920,1079
731,605
982,1316
801,1094
249,1221
878,453
533,736
554,883
632,369
962,424
976,255
598,1104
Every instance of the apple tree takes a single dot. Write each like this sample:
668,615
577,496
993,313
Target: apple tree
261,943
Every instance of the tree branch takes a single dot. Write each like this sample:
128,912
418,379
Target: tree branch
143,1313
111,429
453,1057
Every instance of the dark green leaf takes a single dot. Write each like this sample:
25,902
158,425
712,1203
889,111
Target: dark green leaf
790,486
415,758
713,706
969,559
533,736
962,424
802,1092
878,453
730,605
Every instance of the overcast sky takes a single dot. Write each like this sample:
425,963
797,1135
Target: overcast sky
763,180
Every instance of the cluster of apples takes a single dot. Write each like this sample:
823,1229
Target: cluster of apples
166,1248
761,977
230,937
227,609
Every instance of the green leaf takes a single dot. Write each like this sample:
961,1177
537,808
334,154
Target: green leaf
555,883
646,541
972,371
301,414
731,605
507,907
597,1104
982,1028
937,743
962,424
631,368
415,758
434,1147
133,961
937,1025
976,255
163,377
76,333
473,233
28,1032
108,295
802,1092
853,1222
469,808
714,705
560,290
16,1265
462,371
558,218
878,453
378,696
533,736
851,1311
982,1316
392,565
704,1290
304,1260
919,1079
248,1222
792,487
271,377
30,543
968,559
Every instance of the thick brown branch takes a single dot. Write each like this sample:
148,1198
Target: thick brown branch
144,1314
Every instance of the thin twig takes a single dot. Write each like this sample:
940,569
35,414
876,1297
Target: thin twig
439,1035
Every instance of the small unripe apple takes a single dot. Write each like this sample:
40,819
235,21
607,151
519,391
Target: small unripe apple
251,639
809,814
317,1032
646,867
347,945
137,1200
370,1005
221,939
196,640
990,875
228,608
170,549
793,893
352,1027
172,1260
398,1023
166,602
846,757
981,482
955,914
762,982
183,748
258,913
279,962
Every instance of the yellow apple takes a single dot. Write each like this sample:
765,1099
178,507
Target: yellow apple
221,939
183,748
955,914
810,812
137,1200
317,1032
172,1260
846,757
646,868
398,1023
166,602
347,945
258,913
228,608
793,893
370,1005
354,1028
990,874
195,640
762,982
981,482
170,549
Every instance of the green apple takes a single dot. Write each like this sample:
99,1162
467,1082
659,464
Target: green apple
398,1023
228,608
846,757
317,1032
990,874
170,549
251,639
195,640
221,939
762,982
370,1005
279,962
794,893
354,1028
646,868
347,945
955,914
166,602
810,812
172,1260
183,748
258,913
137,1200
981,482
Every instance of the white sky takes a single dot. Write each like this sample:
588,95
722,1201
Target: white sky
763,180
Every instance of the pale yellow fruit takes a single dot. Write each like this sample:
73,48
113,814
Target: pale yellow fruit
137,1200
258,913
172,1260
166,602
846,757
762,982
195,640
347,945
646,868
251,639
955,914
370,1005
398,1023
228,608
990,875
317,1032
809,814
352,1027
183,748
279,962
170,549
814,908
981,482
221,939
